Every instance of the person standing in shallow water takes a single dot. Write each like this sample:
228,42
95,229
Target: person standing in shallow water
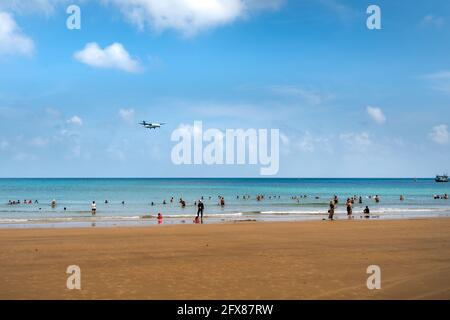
366,212
93,208
349,208
200,209
331,210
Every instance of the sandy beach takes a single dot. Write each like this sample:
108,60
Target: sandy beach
245,260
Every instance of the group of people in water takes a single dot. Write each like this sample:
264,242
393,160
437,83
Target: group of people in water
349,205
13,202
198,219
259,197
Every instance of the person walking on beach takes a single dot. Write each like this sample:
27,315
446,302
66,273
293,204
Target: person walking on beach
200,209
331,210
93,208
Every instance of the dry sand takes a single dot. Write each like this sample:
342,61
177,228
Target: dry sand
246,260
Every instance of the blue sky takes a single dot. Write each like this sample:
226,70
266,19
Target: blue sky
349,101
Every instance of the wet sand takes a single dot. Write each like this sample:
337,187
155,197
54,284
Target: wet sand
245,260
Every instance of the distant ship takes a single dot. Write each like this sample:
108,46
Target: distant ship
443,178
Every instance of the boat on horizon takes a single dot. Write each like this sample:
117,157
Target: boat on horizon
441,178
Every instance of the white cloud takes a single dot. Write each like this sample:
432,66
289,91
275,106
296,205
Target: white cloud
114,56
127,115
75,120
311,143
284,139
439,134
309,96
189,130
356,141
432,20
118,150
52,112
75,151
188,16
12,40
46,7
376,114
341,10
115,153
22,156
39,142
305,143
4,145
439,81
442,75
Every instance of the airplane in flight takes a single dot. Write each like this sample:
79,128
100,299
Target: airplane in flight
149,125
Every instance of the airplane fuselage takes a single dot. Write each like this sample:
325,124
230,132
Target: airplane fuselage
151,125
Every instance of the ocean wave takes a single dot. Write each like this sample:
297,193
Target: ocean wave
375,210
13,220
113,218
305,212
212,215
406,210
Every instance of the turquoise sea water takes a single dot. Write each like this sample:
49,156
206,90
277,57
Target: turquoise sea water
76,196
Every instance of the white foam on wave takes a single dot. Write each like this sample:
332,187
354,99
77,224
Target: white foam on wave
13,220
406,210
212,215
375,210
306,212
